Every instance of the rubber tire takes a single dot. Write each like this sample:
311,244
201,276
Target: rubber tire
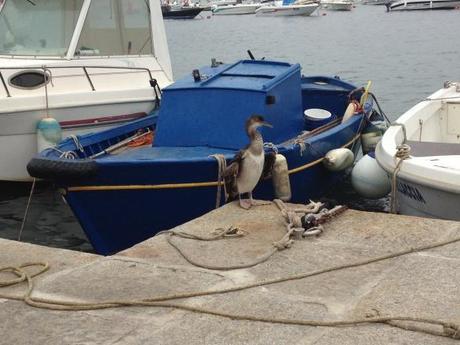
53,169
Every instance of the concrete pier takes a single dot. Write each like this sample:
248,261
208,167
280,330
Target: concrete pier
423,284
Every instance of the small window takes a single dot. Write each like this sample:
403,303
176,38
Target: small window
29,79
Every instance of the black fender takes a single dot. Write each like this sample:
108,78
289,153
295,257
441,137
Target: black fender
61,169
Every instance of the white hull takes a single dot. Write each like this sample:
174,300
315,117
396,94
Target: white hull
289,10
337,5
119,96
416,5
235,9
375,2
429,180
18,140
420,200
93,78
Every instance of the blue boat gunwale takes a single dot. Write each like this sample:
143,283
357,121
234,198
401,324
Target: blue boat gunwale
315,160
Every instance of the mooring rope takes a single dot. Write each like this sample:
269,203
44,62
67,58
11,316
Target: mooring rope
294,229
26,213
221,166
402,153
448,329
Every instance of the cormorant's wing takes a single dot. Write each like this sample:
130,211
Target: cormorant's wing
231,173
268,165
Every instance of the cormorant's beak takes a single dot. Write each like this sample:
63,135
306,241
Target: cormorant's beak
266,124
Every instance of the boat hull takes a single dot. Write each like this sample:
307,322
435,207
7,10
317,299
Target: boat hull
235,9
290,10
183,13
124,205
423,5
416,199
18,138
338,6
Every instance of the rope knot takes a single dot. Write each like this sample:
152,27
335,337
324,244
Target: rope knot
402,151
452,330
284,243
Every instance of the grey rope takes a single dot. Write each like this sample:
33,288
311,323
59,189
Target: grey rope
294,230
402,153
24,220
221,166
449,330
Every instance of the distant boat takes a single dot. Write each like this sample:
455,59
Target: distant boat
375,2
180,12
337,5
288,8
122,199
423,5
428,182
232,9
89,66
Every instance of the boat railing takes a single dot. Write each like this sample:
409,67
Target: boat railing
47,71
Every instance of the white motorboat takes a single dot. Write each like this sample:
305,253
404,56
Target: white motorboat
375,2
287,8
88,64
428,181
407,5
337,5
228,9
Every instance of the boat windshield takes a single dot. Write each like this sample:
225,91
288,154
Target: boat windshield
37,27
116,27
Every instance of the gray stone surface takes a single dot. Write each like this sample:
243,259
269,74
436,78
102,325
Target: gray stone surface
420,284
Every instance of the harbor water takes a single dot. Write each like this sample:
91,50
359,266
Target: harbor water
406,55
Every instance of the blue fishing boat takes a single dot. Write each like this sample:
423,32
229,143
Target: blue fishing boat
124,198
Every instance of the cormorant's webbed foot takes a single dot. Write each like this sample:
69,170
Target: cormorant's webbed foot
245,203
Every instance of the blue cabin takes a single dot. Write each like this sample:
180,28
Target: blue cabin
212,111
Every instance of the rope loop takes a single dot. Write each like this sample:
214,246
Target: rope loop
221,167
402,153
271,146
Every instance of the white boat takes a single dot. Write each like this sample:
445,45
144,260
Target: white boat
375,2
88,64
228,9
428,181
337,5
286,8
423,5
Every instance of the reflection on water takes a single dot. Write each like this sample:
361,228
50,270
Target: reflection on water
406,55
49,222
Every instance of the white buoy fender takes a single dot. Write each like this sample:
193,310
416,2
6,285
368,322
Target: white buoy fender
49,133
352,108
372,136
369,179
280,178
339,159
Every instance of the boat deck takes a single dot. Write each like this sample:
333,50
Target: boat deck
165,154
423,285
427,148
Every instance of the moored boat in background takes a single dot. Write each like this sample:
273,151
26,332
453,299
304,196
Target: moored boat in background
180,12
288,8
88,64
125,198
238,8
337,5
423,150
416,5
